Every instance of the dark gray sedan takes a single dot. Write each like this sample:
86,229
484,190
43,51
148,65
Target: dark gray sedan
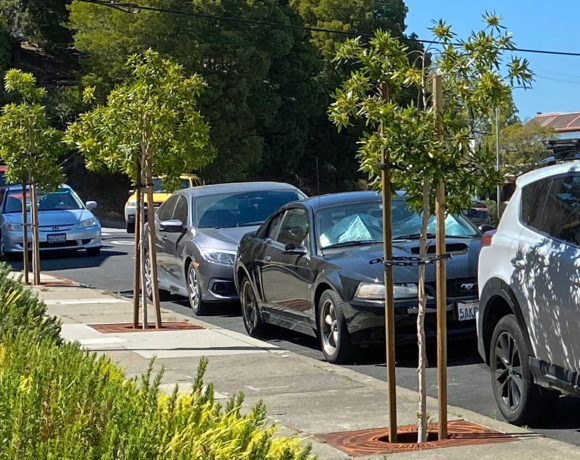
198,231
315,267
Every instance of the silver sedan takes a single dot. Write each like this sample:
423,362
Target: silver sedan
65,222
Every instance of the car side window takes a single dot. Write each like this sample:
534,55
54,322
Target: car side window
271,229
294,228
561,216
181,210
165,211
533,196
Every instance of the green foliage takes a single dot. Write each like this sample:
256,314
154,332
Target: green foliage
21,311
5,46
28,145
473,86
40,21
58,401
153,119
522,146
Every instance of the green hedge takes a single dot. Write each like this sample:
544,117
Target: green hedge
58,401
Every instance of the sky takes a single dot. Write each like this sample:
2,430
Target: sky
534,24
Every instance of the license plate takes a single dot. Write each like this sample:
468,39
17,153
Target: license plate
466,311
56,238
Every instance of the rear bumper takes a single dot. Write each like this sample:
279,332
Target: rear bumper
366,322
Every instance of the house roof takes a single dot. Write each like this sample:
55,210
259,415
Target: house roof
560,122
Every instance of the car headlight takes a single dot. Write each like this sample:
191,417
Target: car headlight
219,256
373,291
131,204
13,227
88,223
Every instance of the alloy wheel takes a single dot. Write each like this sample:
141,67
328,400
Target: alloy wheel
329,327
249,307
148,280
508,377
193,288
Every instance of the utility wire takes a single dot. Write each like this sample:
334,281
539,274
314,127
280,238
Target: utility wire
133,8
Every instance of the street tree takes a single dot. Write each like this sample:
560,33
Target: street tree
431,145
30,148
150,126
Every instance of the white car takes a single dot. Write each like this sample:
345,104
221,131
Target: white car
528,323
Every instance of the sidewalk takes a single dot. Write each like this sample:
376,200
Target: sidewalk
305,396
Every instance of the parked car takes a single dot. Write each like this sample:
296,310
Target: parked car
529,279
478,214
313,267
197,232
160,195
64,221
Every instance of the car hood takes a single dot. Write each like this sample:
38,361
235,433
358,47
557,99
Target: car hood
45,218
222,238
363,262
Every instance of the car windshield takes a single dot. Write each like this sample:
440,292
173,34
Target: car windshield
62,199
159,186
240,209
361,223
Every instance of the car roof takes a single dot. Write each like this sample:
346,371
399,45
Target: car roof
548,171
18,187
336,199
235,187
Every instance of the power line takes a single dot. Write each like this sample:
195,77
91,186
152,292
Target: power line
127,7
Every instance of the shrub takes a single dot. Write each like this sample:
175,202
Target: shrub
59,401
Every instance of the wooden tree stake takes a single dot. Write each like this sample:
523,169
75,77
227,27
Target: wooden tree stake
137,269
152,252
35,242
25,253
441,277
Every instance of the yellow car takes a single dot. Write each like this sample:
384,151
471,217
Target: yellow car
159,196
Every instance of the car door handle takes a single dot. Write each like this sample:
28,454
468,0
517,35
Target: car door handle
268,258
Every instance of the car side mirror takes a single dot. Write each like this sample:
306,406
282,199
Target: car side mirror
91,205
171,226
486,228
291,249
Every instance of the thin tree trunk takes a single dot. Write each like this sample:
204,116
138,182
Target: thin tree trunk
137,267
25,235
35,242
143,258
152,251
422,361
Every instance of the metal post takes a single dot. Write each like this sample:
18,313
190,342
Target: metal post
497,166
441,278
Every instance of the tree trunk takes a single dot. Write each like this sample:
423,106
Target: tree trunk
152,252
143,258
35,242
422,361
25,235
137,267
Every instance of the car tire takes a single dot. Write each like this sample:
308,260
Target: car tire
332,331
163,294
519,399
130,227
93,252
253,323
198,306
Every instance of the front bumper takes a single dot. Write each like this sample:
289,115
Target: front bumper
366,321
217,282
76,238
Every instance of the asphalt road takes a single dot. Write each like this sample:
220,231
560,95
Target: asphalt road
469,379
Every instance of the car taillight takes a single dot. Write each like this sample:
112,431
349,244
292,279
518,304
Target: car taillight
486,238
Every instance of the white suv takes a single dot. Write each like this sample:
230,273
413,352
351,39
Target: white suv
528,324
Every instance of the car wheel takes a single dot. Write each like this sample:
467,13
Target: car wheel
130,227
519,400
194,291
253,323
163,294
334,337
93,252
